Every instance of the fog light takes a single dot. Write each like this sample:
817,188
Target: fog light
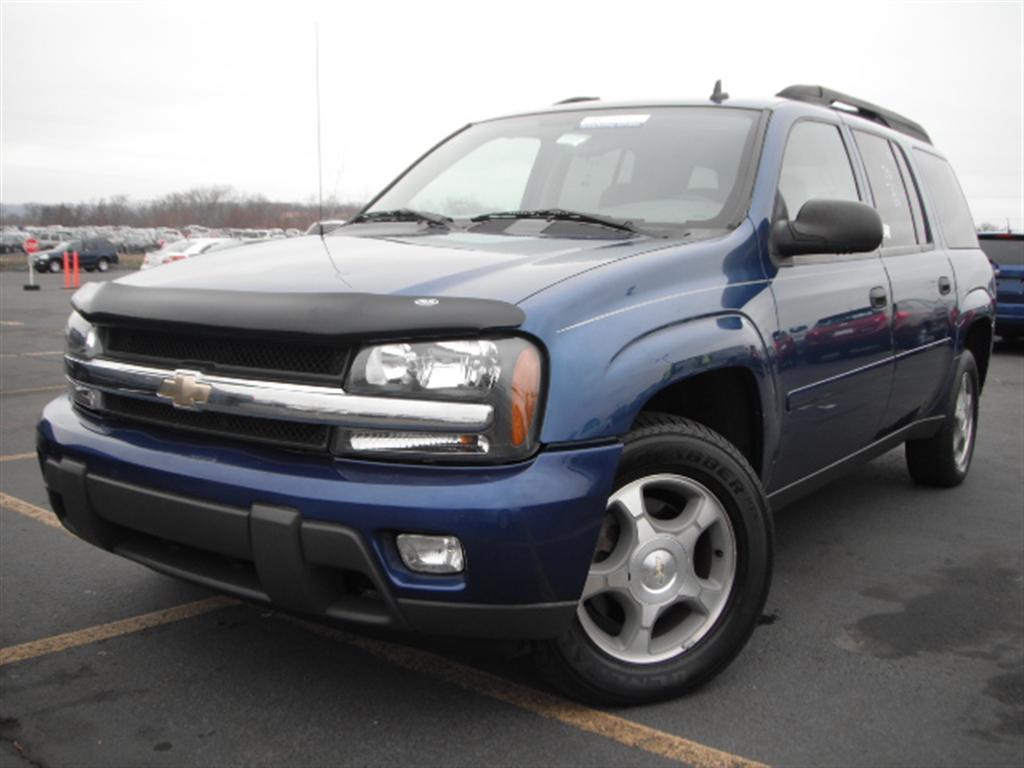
431,554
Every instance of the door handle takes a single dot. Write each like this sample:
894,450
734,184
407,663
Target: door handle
879,298
945,285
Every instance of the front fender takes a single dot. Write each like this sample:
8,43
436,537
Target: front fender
604,403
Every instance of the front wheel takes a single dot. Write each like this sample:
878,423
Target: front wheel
680,574
944,459
103,264
55,266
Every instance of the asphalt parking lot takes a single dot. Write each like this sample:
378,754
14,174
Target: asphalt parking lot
893,635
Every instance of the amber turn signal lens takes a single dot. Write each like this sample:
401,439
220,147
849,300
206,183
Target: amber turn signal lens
525,391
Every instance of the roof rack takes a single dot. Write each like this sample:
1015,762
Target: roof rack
816,94
574,99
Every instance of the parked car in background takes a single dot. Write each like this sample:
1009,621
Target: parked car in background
93,254
49,239
11,242
186,249
1006,251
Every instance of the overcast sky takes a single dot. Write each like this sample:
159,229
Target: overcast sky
105,98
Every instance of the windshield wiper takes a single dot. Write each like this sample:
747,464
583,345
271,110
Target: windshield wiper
404,214
561,214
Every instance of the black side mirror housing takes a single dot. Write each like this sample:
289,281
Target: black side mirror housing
828,226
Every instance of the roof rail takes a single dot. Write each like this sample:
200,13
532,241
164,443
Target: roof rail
574,99
816,94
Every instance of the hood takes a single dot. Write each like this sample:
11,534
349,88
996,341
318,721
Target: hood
487,266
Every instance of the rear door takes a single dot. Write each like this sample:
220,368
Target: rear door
921,278
833,343
88,254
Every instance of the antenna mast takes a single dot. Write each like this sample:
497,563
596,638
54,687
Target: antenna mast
319,153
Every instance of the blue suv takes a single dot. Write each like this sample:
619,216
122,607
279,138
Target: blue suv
550,383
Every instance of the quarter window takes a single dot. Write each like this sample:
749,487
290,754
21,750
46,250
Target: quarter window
816,165
948,200
886,182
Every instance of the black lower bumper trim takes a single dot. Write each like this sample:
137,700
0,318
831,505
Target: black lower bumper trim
269,554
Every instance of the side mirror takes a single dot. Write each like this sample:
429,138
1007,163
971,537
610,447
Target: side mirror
829,226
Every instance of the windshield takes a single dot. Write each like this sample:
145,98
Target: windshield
668,166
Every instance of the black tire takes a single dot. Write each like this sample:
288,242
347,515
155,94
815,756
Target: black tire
667,444
936,460
103,264
55,266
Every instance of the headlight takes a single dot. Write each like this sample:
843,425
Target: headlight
504,373
83,340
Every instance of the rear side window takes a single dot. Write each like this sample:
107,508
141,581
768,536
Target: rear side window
891,199
951,211
816,166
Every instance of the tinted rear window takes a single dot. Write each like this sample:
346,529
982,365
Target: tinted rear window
1004,251
952,215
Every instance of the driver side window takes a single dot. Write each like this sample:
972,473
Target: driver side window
816,165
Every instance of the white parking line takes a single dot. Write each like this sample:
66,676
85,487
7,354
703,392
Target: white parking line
11,322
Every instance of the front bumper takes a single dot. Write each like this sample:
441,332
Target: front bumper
315,534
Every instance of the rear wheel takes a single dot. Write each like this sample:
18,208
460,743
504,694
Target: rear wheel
944,459
681,571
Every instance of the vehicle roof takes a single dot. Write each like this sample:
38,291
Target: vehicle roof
775,103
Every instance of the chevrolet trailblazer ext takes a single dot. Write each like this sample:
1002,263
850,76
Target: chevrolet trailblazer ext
549,384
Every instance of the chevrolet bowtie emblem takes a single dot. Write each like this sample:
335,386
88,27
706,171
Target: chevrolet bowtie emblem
185,390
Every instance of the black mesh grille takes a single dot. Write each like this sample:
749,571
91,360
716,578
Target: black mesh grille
181,349
265,431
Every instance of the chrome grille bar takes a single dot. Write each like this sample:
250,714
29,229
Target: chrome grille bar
197,391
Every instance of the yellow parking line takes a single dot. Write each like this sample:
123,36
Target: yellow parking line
18,456
58,643
552,707
47,353
32,390
44,516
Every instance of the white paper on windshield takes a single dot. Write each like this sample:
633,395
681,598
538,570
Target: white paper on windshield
613,121
572,139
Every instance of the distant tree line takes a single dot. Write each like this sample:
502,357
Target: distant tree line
216,207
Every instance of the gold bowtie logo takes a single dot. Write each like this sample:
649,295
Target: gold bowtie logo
185,390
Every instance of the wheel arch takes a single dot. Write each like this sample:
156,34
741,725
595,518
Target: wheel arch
713,370
976,328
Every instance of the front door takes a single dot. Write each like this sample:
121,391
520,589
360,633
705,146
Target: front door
834,321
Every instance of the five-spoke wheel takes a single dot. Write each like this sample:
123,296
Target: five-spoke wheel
680,571
662,572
